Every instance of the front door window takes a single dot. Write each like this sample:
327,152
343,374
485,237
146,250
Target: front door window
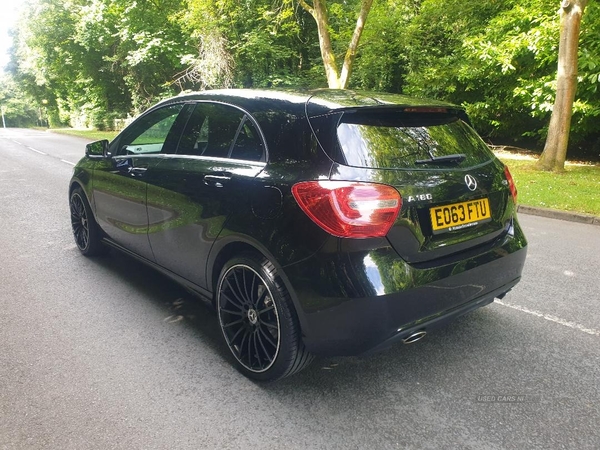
152,134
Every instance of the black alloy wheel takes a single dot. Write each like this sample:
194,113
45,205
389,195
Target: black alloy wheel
85,229
258,321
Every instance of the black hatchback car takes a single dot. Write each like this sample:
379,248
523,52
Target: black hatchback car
317,223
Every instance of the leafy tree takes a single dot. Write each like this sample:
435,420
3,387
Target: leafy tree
255,43
382,62
446,44
17,109
136,46
97,58
499,60
43,49
89,61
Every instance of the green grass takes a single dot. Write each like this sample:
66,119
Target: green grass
92,135
577,190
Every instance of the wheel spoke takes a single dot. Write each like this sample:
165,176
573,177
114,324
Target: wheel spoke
267,337
83,238
235,303
270,325
267,309
241,346
253,286
262,345
256,351
235,313
250,351
237,283
237,333
230,324
232,290
261,298
80,236
245,285
76,208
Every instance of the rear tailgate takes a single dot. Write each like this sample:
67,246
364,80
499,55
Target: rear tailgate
441,215
455,194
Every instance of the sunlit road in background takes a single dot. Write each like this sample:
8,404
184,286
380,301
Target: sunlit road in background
105,353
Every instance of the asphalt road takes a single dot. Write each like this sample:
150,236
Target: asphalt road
104,353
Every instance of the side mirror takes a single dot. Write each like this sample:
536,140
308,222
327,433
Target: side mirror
98,149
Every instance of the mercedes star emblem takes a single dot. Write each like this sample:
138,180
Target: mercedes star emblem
471,182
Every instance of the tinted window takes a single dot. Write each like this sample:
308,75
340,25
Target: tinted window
221,131
248,145
399,140
152,133
288,136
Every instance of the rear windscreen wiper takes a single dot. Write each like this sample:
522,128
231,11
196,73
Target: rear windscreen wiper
446,159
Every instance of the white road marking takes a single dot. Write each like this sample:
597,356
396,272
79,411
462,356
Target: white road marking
551,318
43,153
37,151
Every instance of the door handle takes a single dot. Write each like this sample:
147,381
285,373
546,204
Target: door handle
137,171
217,181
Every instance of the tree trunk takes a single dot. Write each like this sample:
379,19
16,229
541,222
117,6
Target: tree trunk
365,7
319,12
555,151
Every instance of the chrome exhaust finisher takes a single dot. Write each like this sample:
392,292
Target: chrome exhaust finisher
417,336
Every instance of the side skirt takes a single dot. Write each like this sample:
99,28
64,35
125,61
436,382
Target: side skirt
203,294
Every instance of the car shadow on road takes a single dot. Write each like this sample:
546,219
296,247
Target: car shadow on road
484,351
175,303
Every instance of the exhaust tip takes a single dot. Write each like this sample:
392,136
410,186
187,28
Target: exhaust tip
417,336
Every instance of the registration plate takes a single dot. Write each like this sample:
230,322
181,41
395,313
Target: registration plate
460,215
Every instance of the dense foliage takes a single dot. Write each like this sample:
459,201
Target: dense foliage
88,62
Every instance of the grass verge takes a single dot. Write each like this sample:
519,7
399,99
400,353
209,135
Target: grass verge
577,190
92,135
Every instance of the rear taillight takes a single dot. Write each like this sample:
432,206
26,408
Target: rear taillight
349,209
511,184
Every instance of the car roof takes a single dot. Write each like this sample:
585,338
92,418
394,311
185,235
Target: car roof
319,101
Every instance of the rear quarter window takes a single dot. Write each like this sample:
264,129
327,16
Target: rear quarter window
288,136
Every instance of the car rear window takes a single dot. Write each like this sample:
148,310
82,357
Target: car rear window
404,140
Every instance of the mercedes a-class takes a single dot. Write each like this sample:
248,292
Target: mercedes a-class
323,222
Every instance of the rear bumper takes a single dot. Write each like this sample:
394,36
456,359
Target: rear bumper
444,318
356,302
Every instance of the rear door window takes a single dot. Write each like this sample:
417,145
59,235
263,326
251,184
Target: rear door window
402,140
221,131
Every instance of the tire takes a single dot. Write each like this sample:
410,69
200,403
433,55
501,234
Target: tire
258,321
86,232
